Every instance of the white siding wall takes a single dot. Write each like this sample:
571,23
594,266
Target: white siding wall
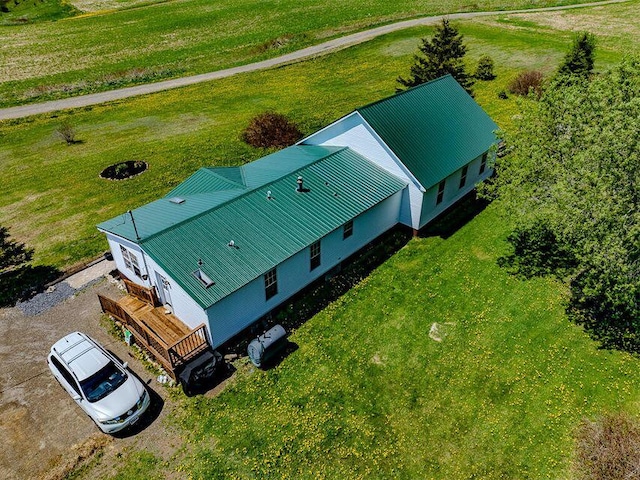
353,132
184,307
114,245
452,192
243,307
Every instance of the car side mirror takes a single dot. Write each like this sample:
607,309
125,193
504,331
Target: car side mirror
125,365
77,397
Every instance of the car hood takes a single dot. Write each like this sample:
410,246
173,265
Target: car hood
120,401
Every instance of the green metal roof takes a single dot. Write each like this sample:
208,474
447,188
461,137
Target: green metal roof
434,129
209,188
341,183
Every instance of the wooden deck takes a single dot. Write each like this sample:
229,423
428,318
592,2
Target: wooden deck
164,325
164,335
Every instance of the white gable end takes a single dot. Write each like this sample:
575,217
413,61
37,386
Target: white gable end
354,132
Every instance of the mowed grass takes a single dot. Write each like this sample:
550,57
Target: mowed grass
53,196
105,50
368,393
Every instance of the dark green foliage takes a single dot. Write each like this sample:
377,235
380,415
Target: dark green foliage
579,59
574,170
12,253
484,70
527,82
608,448
271,130
502,95
441,55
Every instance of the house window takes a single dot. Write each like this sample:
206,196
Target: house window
314,255
440,192
348,229
270,283
130,261
483,163
463,176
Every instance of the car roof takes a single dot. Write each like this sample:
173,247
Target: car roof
80,354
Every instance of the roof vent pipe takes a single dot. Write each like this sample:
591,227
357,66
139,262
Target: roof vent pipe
300,187
268,194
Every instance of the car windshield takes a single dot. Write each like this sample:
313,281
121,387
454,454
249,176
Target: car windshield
103,382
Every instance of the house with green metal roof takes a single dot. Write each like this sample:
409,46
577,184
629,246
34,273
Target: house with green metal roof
228,245
434,136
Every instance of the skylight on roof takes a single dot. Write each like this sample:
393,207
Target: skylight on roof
177,200
204,278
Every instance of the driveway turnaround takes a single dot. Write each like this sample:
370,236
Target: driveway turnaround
305,53
43,433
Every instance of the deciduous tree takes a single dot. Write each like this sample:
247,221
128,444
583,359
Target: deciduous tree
572,187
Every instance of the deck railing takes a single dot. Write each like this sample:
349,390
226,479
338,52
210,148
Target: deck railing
171,357
189,346
143,293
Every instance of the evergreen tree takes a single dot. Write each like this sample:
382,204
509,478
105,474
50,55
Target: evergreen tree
579,59
441,55
12,253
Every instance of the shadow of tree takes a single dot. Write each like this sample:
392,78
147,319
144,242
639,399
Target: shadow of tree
24,282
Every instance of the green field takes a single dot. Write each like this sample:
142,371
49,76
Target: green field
54,197
20,12
367,394
106,50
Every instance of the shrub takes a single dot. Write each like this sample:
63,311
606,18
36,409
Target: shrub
608,449
484,71
269,130
527,81
67,132
502,95
121,170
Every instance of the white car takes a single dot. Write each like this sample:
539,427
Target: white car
98,382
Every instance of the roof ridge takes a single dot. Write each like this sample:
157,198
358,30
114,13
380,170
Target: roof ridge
238,168
399,94
246,192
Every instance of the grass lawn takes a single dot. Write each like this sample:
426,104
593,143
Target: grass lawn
19,12
104,50
368,394
53,196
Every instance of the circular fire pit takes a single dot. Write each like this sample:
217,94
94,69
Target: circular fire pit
124,170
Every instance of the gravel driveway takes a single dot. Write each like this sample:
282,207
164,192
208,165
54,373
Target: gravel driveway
42,431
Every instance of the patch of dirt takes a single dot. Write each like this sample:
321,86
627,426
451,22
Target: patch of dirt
440,331
377,360
78,456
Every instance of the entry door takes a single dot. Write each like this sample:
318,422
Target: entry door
164,289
